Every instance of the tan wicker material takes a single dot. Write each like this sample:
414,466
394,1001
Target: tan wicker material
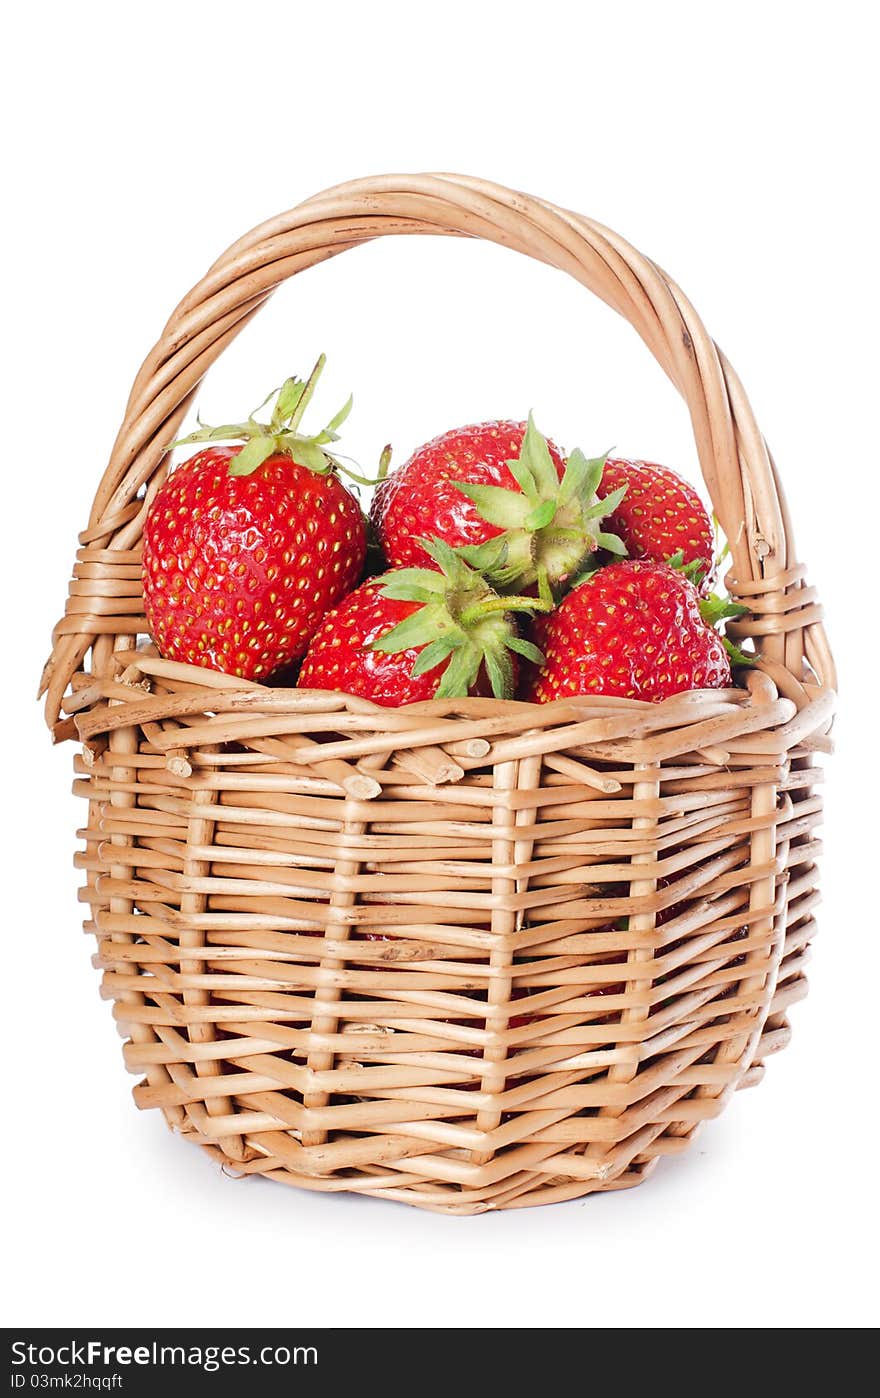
470,955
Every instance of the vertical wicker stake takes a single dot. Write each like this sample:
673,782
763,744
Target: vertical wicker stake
200,832
643,884
503,926
339,929
317,917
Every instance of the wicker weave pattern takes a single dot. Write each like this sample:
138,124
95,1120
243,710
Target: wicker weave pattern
469,955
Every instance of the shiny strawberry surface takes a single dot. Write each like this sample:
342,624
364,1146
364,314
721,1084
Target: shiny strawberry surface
239,571
632,630
660,515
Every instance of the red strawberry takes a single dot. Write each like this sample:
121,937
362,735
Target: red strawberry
421,498
631,629
661,516
503,493
246,547
419,633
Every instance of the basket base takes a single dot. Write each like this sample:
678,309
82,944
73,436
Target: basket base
441,1199
528,1189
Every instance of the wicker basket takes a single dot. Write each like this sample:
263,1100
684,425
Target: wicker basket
473,954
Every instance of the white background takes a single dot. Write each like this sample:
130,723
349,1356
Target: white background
735,145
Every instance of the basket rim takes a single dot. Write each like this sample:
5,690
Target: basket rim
199,708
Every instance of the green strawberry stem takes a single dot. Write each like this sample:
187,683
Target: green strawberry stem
461,620
545,589
281,435
307,394
491,604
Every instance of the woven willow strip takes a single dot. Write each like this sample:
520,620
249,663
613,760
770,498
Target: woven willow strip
469,955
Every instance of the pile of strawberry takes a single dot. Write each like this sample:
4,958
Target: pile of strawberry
497,566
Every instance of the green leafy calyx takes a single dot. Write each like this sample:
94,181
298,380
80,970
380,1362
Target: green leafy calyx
695,571
281,434
716,611
461,619
550,528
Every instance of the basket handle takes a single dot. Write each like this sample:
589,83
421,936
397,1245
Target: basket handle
106,602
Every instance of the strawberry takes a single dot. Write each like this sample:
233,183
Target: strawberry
420,633
660,516
502,493
247,546
631,629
